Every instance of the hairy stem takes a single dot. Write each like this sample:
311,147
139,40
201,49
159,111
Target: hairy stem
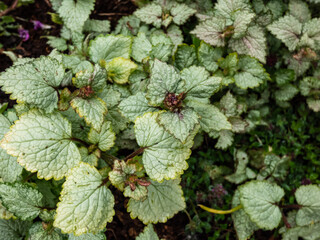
221,211
285,220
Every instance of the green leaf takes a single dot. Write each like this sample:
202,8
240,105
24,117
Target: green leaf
162,46
240,174
58,43
310,232
198,82
164,200
13,229
75,13
164,79
139,193
34,82
259,199
242,19
135,106
251,73
88,236
4,213
229,64
22,200
148,234
287,29
299,10
47,149
93,25
10,170
181,13
274,167
88,157
121,171
253,44
141,47
284,76
91,109
181,124
211,31
118,121
312,32
103,139
119,70
185,56
313,104
225,139
208,56
242,223
150,14
308,196
86,203
210,116
164,157
38,231
228,8
228,105
175,34
286,92
108,47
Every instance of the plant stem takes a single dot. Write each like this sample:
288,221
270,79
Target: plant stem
291,206
137,152
285,220
220,211
79,141
9,9
108,158
29,176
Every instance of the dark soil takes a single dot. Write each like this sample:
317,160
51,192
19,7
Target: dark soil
122,226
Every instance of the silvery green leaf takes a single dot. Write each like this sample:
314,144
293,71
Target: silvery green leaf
47,149
286,92
119,69
121,171
75,13
164,200
274,167
76,64
93,25
162,46
10,170
309,232
228,105
181,124
211,31
34,82
311,30
175,34
135,106
164,156
225,139
308,197
228,8
139,193
150,14
242,223
4,213
40,231
210,116
86,204
198,82
87,157
109,47
88,236
259,199
229,64
110,96
13,229
251,73
253,44
21,199
103,139
148,234
299,9
141,47
164,79
91,109
288,30
181,13
118,121
57,43
242,19
208,56
185,56
313,104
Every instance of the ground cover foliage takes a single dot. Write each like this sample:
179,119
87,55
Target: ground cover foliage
182,103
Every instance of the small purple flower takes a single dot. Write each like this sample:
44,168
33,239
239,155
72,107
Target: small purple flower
306,181
218,191
24,34
37,25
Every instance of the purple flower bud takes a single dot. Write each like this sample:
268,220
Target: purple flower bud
37,25
218,191
24,34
